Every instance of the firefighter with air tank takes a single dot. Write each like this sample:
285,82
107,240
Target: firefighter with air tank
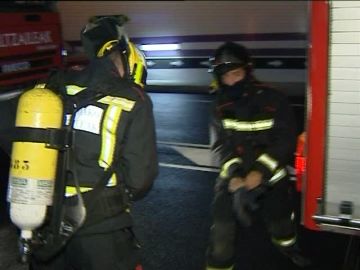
85,145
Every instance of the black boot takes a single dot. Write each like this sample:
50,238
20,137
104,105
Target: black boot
295,254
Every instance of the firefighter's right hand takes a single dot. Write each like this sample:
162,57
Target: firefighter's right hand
220,184
235,183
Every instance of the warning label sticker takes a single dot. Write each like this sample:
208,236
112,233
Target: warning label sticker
30,191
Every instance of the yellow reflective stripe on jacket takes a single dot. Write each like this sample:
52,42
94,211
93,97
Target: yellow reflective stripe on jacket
284,242
71,190
108,135
268,161
73,89
279,174
125,104
225,167
248,125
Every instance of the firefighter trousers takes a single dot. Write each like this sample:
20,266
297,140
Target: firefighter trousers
276,210
111,251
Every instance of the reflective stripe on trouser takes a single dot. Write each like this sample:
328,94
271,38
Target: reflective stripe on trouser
284,242
217,268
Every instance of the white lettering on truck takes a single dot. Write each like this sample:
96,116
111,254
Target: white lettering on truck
26,38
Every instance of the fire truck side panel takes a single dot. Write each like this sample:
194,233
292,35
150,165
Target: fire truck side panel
343,133
316,110
30,46
333,120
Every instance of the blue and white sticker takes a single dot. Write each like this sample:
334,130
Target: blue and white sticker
89,119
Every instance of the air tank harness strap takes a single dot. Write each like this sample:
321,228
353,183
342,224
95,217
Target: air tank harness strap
53,138
55,239
111,202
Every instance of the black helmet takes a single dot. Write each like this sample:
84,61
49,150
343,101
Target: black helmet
230,56
102,35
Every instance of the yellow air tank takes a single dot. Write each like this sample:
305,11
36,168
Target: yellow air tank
33,165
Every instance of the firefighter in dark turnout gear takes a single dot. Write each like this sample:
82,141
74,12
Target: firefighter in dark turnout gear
255,140
114,129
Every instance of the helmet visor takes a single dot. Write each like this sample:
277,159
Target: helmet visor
222,68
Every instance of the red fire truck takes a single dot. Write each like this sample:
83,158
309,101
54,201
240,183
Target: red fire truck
30,46
328,160
30,42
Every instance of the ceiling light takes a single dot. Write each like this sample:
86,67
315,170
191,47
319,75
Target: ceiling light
159,47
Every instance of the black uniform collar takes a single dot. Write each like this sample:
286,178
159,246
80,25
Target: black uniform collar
239,90
103,68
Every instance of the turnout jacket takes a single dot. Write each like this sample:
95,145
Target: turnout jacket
114,127
255,130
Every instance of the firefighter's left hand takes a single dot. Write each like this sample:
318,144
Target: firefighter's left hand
253,179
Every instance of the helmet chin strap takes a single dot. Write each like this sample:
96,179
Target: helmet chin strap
236,89
118,62
239,83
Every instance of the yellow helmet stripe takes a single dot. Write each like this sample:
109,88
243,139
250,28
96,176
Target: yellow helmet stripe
132,58
137,64
138,74
106,47
141,67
